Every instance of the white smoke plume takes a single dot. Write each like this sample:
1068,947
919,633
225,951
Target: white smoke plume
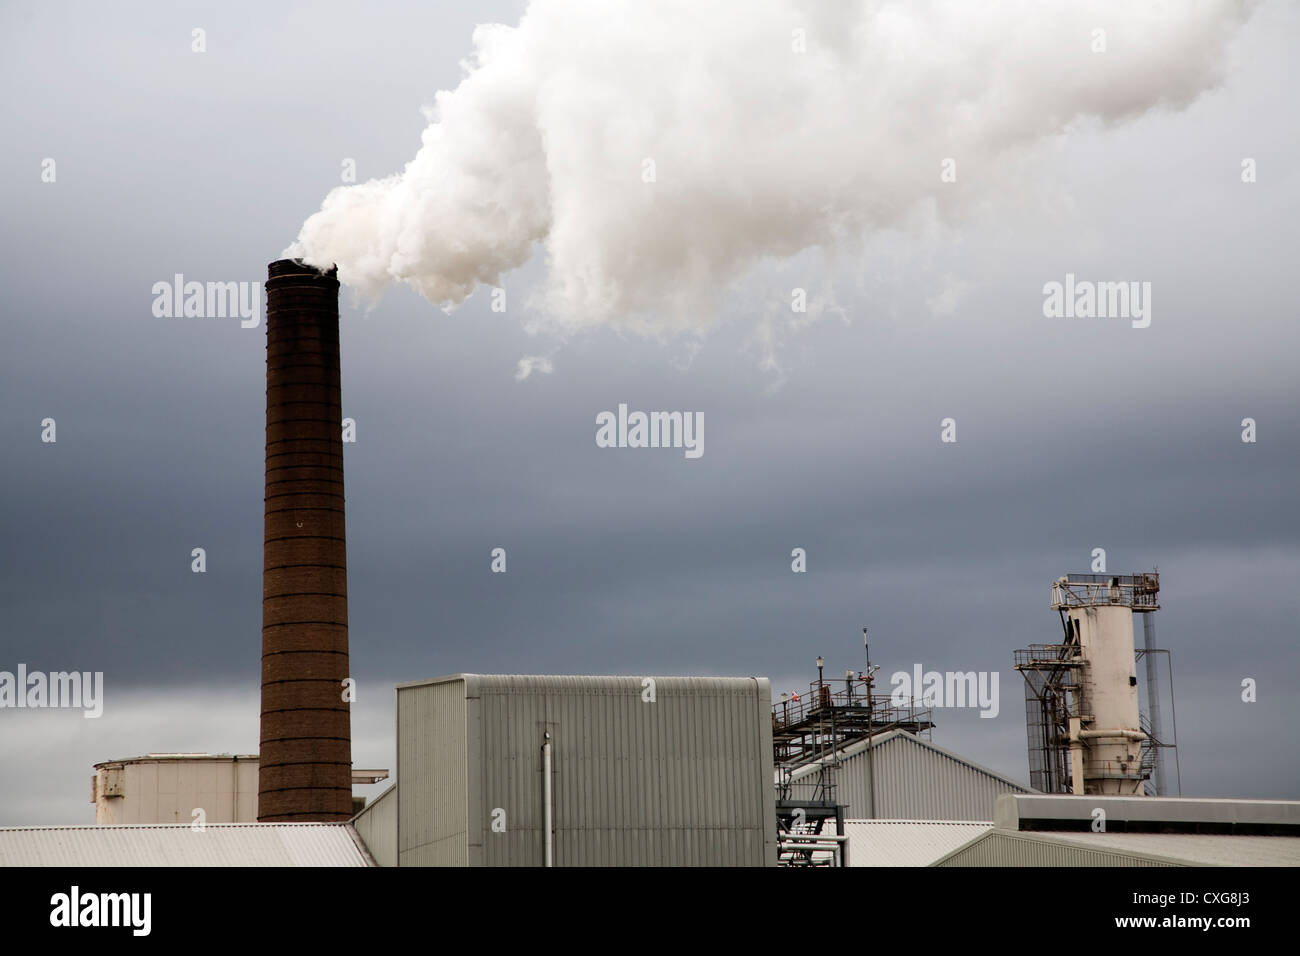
657,151
533,363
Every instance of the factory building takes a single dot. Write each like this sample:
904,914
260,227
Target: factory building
899,800
584,771
899,776
1059,830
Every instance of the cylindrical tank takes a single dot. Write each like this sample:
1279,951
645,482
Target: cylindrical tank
305,769
1112,737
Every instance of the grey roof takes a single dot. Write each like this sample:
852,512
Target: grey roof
596,683
903,777
1050,830
218,844
880,740
1196,848
907,842
166,757
1000,847
1188,814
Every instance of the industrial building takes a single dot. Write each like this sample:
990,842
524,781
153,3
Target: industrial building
898,776
1039,830
844,753
1029,830
584,771
494,728
890,799
172,788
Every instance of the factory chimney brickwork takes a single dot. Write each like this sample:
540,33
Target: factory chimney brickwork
305,771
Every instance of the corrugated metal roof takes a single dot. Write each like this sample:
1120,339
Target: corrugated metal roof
1053,848
880,739
914,780
218,844
1205,849
907,842
1174,814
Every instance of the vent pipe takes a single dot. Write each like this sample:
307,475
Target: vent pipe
1153,703
305,766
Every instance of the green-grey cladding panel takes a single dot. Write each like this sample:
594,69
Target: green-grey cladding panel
376,826
432,820
683,779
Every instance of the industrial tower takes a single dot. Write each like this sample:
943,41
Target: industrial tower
1087,733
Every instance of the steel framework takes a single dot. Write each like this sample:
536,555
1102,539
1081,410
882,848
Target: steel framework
1058,682
816,727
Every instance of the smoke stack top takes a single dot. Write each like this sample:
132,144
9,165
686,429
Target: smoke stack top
305,764
288,268
658,151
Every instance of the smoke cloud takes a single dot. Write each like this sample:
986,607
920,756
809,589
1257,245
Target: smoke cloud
657,152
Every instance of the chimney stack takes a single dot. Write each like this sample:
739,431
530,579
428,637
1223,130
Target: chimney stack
305,770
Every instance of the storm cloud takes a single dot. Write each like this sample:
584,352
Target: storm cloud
823,426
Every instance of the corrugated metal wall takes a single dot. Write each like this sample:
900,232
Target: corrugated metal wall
913,782
432,822
1004,848
683,780
376,825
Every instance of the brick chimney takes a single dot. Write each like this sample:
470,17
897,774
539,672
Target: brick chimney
305,767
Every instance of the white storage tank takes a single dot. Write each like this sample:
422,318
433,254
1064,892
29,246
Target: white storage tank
168,788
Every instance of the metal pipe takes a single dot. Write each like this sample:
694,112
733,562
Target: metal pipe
547,841
1077,784
1153,701
1117,733
837,845
1173,713
871,763
842,831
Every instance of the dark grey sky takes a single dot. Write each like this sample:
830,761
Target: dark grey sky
1073,434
